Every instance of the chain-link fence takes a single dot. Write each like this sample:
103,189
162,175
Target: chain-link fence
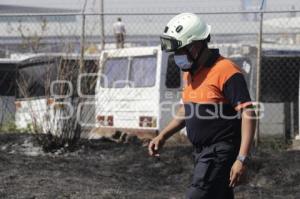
279,75
132,84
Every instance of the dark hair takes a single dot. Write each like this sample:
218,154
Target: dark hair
208,38
119,19
205,41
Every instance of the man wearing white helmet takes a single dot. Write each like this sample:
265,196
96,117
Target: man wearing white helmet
216,109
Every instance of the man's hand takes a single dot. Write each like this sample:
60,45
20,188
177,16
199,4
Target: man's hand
155,145
236,173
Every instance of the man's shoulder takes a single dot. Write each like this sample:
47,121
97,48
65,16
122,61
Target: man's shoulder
225,66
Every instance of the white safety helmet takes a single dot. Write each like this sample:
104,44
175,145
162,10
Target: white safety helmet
182,30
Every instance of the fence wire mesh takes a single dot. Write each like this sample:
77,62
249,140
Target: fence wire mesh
140,83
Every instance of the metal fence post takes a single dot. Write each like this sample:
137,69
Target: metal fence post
102,26
259,57
82,44
297,137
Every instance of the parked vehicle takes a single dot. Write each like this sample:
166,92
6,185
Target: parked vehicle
46,90
137,89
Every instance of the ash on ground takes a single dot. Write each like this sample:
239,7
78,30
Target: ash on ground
106,169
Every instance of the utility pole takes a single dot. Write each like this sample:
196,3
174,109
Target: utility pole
82,38
259,57
102,25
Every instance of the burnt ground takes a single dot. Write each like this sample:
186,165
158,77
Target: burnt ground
104,169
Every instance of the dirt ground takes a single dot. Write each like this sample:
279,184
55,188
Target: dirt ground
104,169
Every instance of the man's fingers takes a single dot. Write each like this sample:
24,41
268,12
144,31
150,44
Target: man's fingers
233,185
153,148
156,146
233,179
236,180
150,148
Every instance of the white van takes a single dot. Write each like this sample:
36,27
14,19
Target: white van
137,90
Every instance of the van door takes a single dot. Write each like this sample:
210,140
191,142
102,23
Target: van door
171,88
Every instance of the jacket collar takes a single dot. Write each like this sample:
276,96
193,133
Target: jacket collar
209,59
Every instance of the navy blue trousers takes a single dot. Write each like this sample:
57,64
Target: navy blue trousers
212,171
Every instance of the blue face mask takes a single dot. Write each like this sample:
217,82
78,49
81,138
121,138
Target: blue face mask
182,62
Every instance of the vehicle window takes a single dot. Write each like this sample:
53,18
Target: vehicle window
7,83
34,80
173,74
143,71
88,83
115,72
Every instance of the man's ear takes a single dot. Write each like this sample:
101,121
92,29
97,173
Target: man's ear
194,50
